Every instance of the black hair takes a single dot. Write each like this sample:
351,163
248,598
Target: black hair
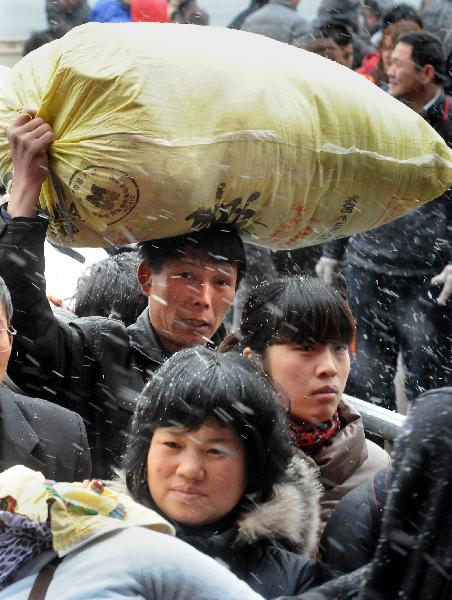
219,242
39,38
427,49
339,33
5,300
343,12
293,310
111,286
401,12
197,384
373,6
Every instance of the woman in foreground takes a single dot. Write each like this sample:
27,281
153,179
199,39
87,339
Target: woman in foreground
209,450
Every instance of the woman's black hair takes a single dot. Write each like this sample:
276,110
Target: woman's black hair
293,310
197,384
219,242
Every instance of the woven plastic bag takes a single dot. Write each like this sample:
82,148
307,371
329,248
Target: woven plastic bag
161,129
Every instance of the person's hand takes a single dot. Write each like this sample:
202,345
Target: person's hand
326,268
29,137
444,278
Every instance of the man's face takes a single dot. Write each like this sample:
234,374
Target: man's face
405,80
344,55
323,47
370,19
188,299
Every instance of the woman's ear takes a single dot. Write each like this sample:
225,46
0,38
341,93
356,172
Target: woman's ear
247,352
145,278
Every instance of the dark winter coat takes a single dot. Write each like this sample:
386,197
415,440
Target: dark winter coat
279,20
416,245
351,533
413,559
94,366
346,462
42,437
236,23
437,17
263,542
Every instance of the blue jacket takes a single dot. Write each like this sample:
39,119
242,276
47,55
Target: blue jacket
110,11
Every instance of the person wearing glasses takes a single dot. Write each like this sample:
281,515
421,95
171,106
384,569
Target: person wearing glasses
34,432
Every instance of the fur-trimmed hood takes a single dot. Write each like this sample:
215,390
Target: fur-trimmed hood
291,517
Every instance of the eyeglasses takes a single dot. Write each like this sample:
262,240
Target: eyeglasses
11,333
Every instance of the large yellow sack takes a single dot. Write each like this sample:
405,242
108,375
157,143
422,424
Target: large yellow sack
163,128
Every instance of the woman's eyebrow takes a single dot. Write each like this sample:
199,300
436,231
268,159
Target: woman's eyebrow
220,440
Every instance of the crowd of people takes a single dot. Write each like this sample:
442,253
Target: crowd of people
201,381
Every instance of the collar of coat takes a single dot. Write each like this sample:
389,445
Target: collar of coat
345,453
291,517
18,440
143,338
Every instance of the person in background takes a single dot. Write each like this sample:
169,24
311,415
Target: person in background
111,11
437,17
95,364
236,23
209,450
334,41
187,12
155,11
33,432
39,38
278,19
413,557
393,271
301,330
376,65
63,15
346,14
372,12
110,288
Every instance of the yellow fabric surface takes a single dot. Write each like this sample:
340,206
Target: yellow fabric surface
161,128
68,505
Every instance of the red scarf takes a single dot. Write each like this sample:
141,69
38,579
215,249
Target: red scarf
313,435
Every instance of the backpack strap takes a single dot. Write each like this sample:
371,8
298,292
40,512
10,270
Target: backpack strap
43,580
380,486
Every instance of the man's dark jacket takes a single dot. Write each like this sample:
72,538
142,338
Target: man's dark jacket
94,366
416,245
42,437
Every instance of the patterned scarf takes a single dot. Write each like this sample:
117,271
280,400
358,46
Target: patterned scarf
313,435
21,539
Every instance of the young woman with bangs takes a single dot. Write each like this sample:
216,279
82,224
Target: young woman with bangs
209,449
301,331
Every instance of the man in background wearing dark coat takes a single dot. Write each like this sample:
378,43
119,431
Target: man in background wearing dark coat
33,432
279,19
393,271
